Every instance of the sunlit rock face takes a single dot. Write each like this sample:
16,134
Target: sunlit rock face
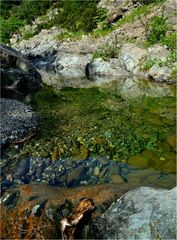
144,213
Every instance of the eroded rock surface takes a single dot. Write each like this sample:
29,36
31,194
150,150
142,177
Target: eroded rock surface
144,213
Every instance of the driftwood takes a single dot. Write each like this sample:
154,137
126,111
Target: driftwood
25,139
72,226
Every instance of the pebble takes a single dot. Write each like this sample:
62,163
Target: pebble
96,171
69,173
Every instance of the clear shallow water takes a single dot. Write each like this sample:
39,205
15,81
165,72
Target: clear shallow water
131,125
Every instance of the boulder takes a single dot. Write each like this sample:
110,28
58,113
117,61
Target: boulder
18,121
161,74
158,52
130,56
17,73
144,213
107,68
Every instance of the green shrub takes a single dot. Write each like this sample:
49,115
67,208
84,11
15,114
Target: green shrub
170,41
174,73
108,51
158,30
15,14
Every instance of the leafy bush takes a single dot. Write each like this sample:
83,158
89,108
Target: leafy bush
77,15
109,51
170,41
15,14
174,73
158,30
170,60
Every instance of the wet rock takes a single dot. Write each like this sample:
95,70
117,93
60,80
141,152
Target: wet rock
18,75
22,169
96,171
172,141
18,121
75,175
144,213
117,179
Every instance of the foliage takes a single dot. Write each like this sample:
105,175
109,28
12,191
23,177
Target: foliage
101,18
170,40
110,50
174,73
77,15
158,30
70,35
170,60
15,14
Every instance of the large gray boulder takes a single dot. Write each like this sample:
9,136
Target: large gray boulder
131,56
17,73
161,74
18,121
144,213
100,67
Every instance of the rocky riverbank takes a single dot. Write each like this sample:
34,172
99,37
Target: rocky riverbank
103,129
120,53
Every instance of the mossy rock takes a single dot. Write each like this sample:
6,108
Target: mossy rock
154,119
80,154
117,179
169,167
55,154
171,140
139,160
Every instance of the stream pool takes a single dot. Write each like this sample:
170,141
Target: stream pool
78,124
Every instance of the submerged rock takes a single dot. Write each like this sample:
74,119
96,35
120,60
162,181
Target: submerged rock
144,213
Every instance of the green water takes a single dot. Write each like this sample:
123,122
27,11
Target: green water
92,122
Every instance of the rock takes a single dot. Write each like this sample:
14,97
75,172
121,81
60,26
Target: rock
171,140
81,153
15,214
75,175
18,121
115,9
105,68
162,74
117,179
96,171
130,56
158,52
144,213
17,73
139,160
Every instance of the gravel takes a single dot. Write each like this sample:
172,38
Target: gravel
17,121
